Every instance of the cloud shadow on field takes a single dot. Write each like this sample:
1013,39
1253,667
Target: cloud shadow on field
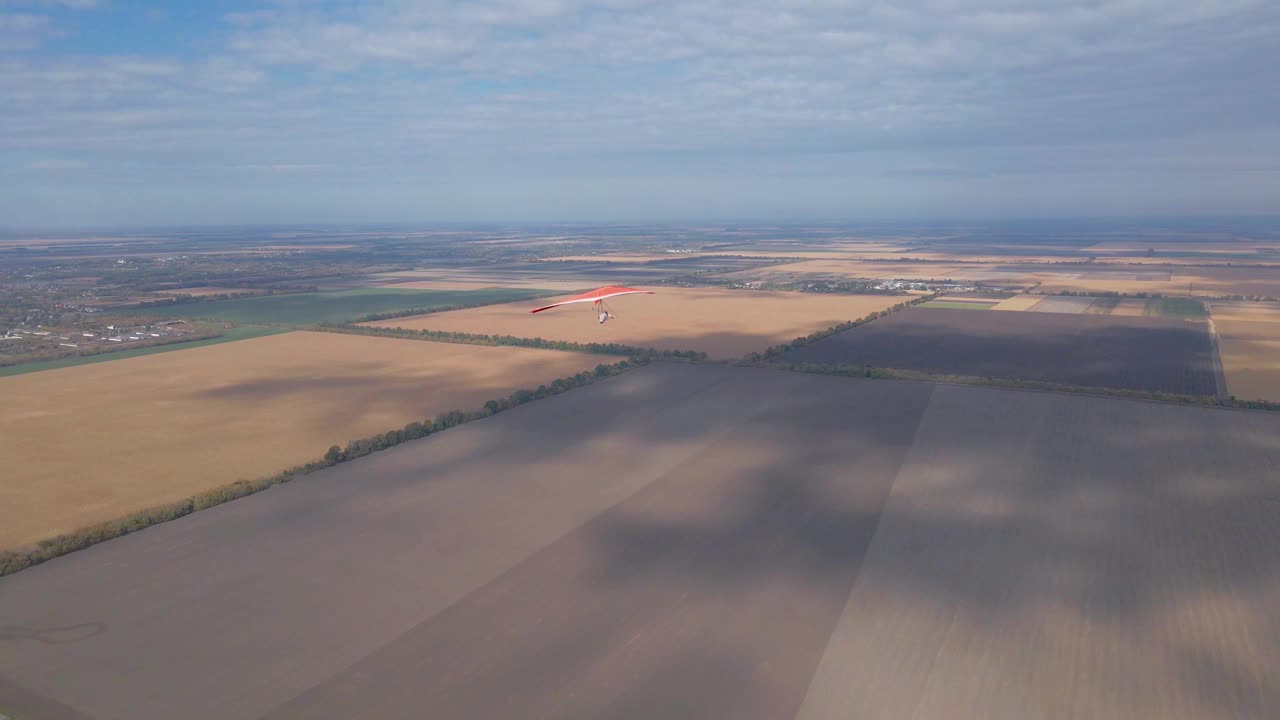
1116,512
1090,495
1025,505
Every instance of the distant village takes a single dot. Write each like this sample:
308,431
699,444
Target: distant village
75,338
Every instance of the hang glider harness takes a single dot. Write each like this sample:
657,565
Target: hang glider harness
597,299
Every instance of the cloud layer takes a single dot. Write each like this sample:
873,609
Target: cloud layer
572,109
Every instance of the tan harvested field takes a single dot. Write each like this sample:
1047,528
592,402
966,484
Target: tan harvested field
1246,311
1249,345
1201,281
102,440
870,269
899,269
721,323
701,542
1018,302
1009,259
1165,277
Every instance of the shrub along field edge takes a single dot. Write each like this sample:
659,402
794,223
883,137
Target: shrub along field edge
814,337
462,338
13,560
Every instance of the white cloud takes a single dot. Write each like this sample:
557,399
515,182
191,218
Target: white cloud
407,91
71,4
24,31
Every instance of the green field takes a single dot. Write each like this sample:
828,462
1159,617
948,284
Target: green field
957,305
243,332
1102,305
338,306
1177,307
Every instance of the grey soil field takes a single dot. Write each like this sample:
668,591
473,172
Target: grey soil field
701,542
1139,353
1069,305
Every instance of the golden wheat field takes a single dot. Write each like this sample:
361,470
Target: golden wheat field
721,323
102,440
1249,344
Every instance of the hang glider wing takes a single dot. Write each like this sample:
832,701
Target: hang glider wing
596,296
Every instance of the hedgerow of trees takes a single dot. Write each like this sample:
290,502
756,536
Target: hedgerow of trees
513,341
776,350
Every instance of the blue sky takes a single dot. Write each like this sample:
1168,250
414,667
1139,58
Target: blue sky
126,112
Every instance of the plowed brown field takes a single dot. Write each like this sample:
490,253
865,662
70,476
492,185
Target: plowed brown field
1147,353
693,542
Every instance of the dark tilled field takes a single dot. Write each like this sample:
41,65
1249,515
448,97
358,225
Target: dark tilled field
700,542
1139,353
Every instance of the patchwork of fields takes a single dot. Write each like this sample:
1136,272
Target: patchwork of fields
762,545
100,441
722,323
1211,281
682,540
1153,354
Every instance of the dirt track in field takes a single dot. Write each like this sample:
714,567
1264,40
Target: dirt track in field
1155,354
103,440
722,323
694,542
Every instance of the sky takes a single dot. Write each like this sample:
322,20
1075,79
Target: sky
124,112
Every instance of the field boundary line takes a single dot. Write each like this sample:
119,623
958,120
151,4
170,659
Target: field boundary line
15,559
1219,372
881,373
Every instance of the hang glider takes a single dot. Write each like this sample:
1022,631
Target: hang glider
597,298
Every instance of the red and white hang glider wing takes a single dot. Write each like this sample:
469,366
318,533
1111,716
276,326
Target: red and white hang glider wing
596,296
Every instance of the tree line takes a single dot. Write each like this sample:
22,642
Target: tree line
464,338
776,350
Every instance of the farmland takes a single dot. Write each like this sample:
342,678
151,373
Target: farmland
1207,281
695,542
722,323
683,539
240,332
98,441
1249,343
1153,354
337,306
